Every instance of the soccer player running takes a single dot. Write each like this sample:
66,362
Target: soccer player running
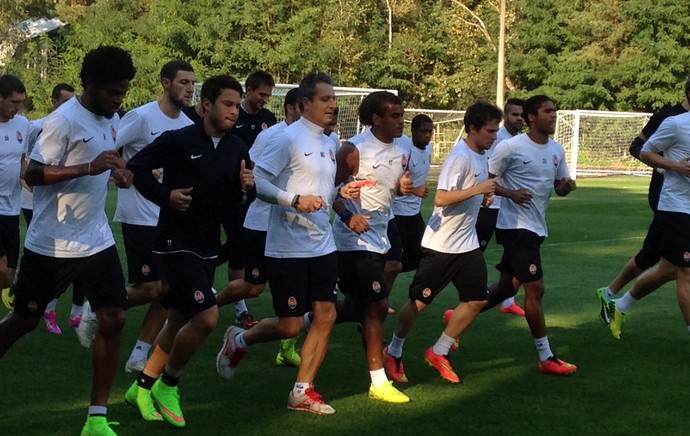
451,250
530,166
668,148
69,237
372,159
205,175
650,253
138,215
14,135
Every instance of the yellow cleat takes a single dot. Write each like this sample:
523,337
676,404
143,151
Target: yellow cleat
388,393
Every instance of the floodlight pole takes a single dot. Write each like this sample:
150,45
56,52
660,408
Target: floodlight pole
500,80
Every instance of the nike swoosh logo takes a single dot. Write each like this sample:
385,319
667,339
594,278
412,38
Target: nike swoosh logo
176,418
87,140
414,165
196,156
308,154
526,161
477,175
155,133
376,166
239,126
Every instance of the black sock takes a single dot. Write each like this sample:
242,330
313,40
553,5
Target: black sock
144,381
169,380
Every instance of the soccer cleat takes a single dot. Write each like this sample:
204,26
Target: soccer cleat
605,313
50,318
168,400
131,394
394,367
8,298
98,426
229,355
135,365
245,319
617,318
442,365
288,354
513,309
310,401
387,393
74,321
554,365
86,332
446,318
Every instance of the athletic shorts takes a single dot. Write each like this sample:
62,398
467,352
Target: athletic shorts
486,224
361,275
9,239
394,253
142,264
467,271
189,279
411,230
42,278
297,282
231,251
255,262
650,253
521,254
675,237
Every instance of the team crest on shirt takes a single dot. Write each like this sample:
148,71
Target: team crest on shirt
264,126
331,155
426,293
292,302
376,286
20,137
533,269
555,160
145,270
403,160
255,273
199,296
686,256
113,132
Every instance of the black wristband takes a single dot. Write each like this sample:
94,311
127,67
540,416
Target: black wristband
345,215
295,201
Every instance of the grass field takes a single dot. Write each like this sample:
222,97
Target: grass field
633,386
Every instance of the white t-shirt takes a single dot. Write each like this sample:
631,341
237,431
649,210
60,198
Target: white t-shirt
523,163
384,164
35,128
451,229
14,136
259,210
138,128
69,217
501,135
419,164
302,160
673,139
335,138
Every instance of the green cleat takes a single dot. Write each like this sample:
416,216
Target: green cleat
617,318
140,398
168,400
8,298
604,313
288,354
131,395
98,426
387,393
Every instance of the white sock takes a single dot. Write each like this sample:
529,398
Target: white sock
75,311
443,344
300,388
609,293
240,308
239,340
625,302
98,410
508,301
52,305
378,377
395,348
141,350
543,348
307,321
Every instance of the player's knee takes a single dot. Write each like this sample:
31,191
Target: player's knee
326,315
393,268
110,321
254,290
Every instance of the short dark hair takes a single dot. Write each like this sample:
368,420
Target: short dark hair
336,111
420,119
480,113
106,64
259,78
375,103
291,98
170,69
10,84
57,90
514,102
213,86
531,106
307,87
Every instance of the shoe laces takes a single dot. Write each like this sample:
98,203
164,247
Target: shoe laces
313,395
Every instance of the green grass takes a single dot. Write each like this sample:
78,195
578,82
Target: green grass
634,386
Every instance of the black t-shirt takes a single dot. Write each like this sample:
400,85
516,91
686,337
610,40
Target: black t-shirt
248,126
190,111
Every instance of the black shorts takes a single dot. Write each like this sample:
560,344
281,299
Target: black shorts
189,279
255,262
142,264
650,253
486,224
9,239
411,230
394,253
467,271
233,225
521,254
297,282
42,278
361,275
675,237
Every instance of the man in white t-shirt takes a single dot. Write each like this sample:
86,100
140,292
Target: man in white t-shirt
14,132
451,251
530,166
139,216
69,237
673,215
330,128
